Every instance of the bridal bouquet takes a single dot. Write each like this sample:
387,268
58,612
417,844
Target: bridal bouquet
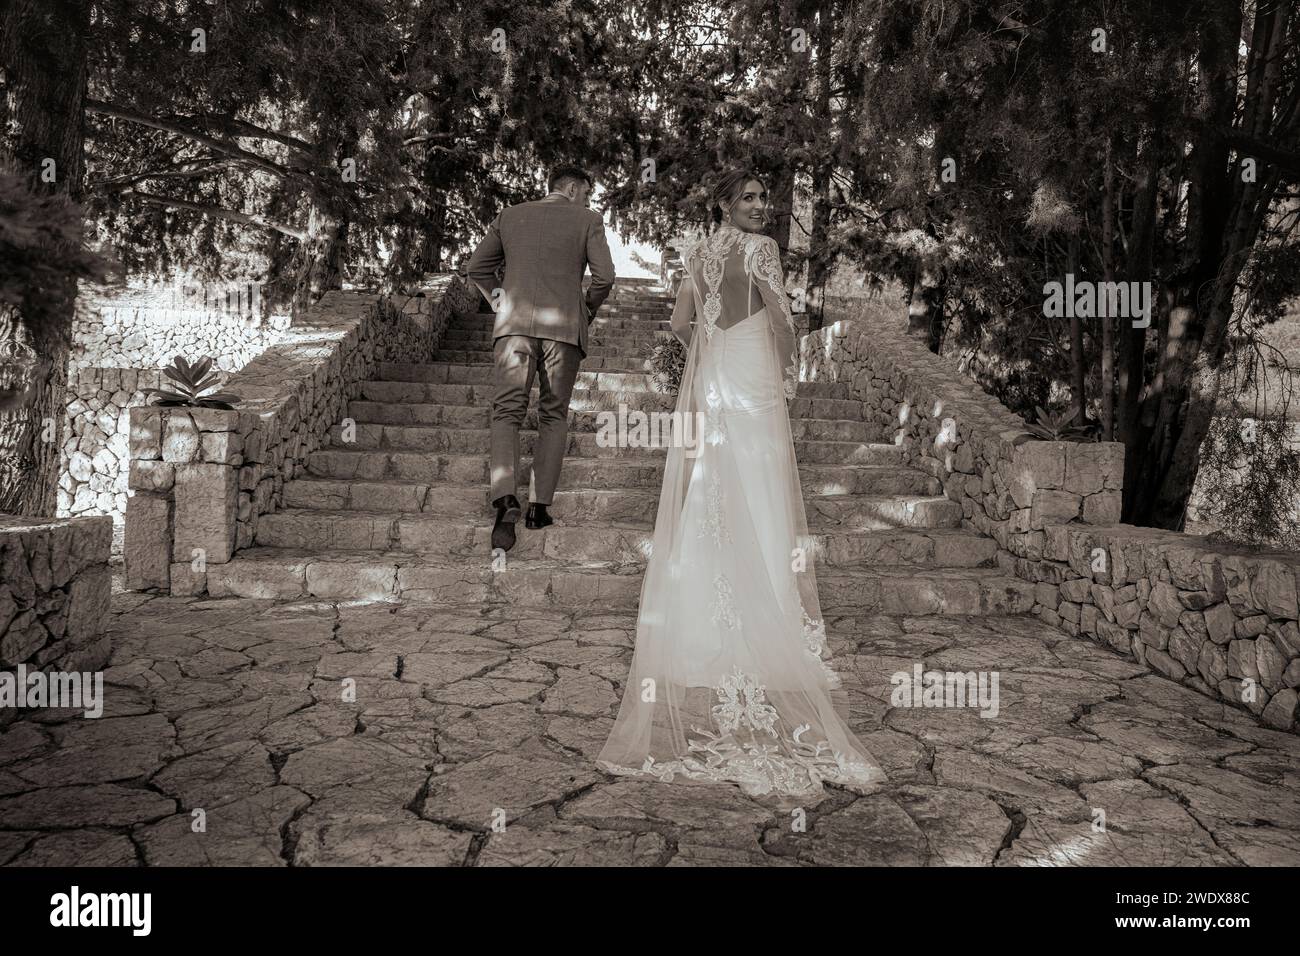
665,362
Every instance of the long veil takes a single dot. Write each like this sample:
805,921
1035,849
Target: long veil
730,678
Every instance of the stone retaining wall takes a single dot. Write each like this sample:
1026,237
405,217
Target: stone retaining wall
139,329
201,478
119,345
55,586
93,473
1218,618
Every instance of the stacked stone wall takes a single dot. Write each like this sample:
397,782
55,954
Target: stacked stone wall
1219,618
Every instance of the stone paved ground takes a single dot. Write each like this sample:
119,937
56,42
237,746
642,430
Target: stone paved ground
236,707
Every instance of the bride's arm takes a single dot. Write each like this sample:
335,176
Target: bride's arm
683,310
771,286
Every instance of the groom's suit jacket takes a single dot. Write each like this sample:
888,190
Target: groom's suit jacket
546,246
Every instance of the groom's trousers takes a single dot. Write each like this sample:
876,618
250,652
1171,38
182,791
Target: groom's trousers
520,358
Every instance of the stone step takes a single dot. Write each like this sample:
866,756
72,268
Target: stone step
625,304
480,397
598,346
454,373
650,288
396,576
420,466
877,512
479,352
580,419
467,441
291,573
573,506
640,324
914,547
598,358
609,505
637,312
346,464
466,502
815,399
443,537
919,591
601,335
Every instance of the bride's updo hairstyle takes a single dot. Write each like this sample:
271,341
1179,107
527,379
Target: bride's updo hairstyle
727,189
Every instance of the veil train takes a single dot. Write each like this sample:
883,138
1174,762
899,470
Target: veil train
730,679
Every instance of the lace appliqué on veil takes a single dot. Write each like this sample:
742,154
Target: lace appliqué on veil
713,523
743,704
724,609
784,764
814,639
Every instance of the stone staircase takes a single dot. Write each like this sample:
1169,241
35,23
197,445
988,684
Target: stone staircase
400,512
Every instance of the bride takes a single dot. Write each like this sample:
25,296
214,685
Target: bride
730,680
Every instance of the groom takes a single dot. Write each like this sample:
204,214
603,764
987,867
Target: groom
540,330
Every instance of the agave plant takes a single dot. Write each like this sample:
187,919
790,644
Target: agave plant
1057,427
666,360
194,386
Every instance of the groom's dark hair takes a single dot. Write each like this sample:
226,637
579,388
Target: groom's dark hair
561,176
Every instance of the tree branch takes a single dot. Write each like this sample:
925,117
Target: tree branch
132,178
218,211
243,128
1281,158
178,127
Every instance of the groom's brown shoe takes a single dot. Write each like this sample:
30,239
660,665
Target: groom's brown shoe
538,517
503,532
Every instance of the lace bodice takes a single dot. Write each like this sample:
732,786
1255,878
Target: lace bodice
731,275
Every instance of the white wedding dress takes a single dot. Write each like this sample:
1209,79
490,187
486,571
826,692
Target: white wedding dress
730,679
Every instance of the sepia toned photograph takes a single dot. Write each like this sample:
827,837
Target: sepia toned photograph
751,434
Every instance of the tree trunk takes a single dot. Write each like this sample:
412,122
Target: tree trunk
1185,388
925,309
1078,371
316,261
435,236
918,325
1108,276
935,295
1132,341
436,182
782,200
42,90
819,264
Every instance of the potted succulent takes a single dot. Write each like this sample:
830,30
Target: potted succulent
194,386
1058,427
